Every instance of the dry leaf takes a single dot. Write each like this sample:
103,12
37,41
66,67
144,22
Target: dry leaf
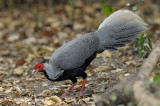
46,92
104,68
18,71
19,62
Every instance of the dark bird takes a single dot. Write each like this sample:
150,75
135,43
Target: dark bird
70,60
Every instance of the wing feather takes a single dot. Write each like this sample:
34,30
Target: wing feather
74,53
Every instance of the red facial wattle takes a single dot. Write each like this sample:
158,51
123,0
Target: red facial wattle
39,67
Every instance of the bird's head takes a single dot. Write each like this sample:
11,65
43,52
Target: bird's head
39,67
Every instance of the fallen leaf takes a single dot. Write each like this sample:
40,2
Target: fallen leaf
117,70
53,100
108,54
18,71
20,62
46,92
104,68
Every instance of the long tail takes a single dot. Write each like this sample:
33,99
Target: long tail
118,29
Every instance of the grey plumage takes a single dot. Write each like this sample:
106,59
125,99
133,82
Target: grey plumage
115,31
74,53
118,29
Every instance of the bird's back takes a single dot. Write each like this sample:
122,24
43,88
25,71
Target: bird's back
74,53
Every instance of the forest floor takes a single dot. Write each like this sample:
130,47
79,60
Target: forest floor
27,36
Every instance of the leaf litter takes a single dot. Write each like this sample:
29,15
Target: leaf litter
22,47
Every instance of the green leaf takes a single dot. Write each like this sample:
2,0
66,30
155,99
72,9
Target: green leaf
141,55
148,49
107,9
149,40
156,79
71,2
141,40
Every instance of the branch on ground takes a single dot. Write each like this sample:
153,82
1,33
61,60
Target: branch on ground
133,86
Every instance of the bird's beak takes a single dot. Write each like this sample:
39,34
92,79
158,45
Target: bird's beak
34,71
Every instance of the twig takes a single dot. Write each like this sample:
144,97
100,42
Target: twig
149,64
143,96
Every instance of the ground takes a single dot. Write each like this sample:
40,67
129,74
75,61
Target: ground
27,36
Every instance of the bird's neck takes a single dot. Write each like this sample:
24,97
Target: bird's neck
51,73
45,70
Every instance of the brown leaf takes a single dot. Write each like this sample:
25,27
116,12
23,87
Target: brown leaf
49,32
20,62
81,82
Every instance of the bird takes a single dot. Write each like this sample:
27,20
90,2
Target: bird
71,59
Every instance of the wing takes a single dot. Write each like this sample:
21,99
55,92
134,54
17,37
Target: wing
74,53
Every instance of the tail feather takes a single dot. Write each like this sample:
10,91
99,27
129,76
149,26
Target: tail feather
118,29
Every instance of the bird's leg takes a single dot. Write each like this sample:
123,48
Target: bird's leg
70,88
84,76
83,85
74,80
